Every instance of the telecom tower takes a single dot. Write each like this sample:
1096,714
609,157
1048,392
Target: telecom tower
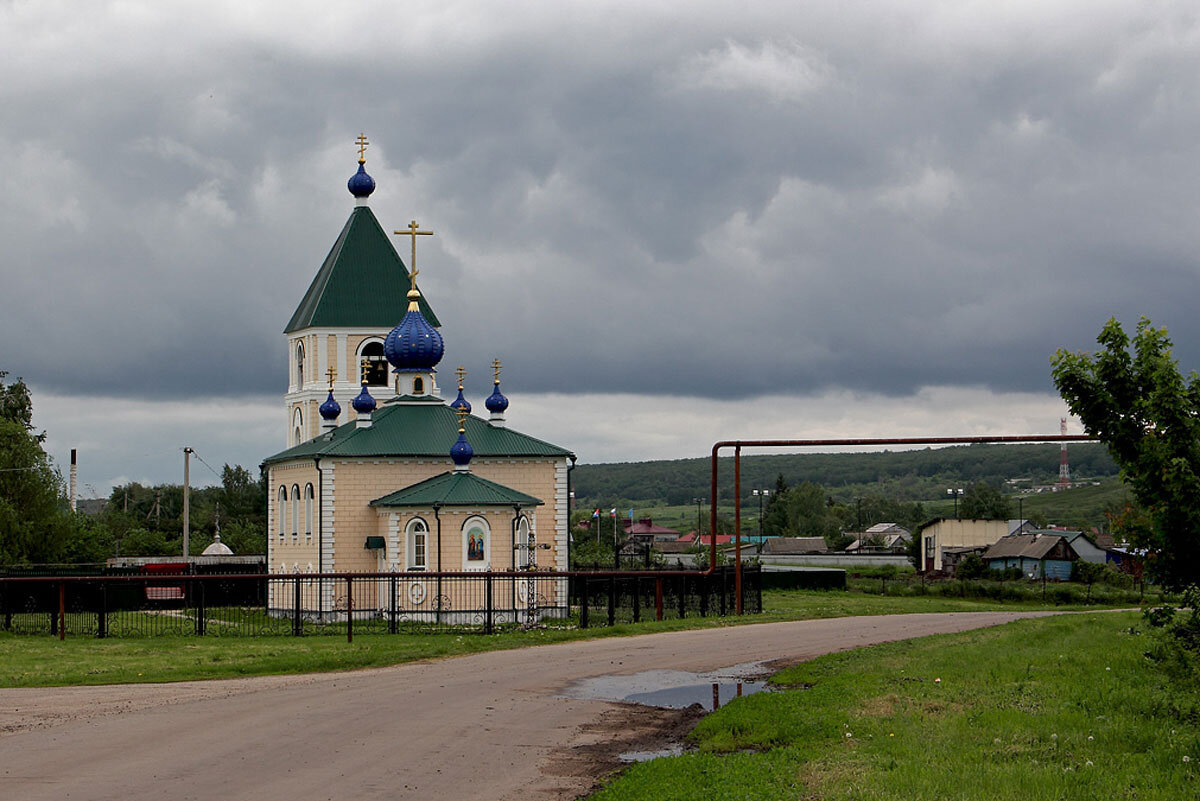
1064,471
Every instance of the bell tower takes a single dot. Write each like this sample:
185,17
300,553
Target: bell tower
337,334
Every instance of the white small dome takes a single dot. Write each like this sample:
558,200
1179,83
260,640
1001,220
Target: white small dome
217,548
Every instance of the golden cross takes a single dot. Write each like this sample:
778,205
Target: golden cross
365,366
462,419
461,373
362,148
496,369
331,373
414,233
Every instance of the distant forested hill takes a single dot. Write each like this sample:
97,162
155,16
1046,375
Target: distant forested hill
900,475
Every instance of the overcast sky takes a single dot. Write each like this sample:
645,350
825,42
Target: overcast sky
673,222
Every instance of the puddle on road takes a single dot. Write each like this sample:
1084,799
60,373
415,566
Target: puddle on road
673,749
674,689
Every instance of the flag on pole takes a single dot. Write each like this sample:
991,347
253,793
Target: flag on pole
597,512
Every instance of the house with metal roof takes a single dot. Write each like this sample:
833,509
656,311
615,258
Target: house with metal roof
1035,555
402,481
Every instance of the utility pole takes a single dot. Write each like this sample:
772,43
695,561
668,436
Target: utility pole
187,452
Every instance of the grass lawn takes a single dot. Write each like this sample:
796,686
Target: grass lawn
43,661
1057,708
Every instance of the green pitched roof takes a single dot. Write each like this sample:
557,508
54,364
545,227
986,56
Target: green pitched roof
457,489
362,282
402,430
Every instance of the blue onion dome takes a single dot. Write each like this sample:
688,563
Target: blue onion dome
363,403
496,402
460,402
461,451
360,184
330,409
414,344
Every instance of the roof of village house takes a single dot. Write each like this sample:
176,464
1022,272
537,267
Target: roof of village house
457,488
722,539
794,545
1023,546
362,257
406,430
885,528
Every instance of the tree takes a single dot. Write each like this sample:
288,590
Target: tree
984,502
1132,397
35,523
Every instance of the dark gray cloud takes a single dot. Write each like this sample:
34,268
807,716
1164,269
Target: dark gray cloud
707,203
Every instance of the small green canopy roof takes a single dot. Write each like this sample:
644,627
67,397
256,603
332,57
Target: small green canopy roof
425,429
457,489
362,282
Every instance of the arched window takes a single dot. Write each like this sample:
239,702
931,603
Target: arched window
377,365
300,365
308,509
417,545
476,544
418,386
298,426
523,530
281,514
295,508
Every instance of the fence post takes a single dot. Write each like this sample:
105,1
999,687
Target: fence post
62,610
297,629
102,613
658,603
583,603
724,589
349,609
392,604
198,588
487,592
612,600
758,574
637,599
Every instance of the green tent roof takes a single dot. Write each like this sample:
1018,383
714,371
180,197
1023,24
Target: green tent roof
400,430
457,489
362,283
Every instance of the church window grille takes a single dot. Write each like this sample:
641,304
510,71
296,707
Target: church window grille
523,530
418,386
295,508
308,510
281,514
300,365
417,550
376,371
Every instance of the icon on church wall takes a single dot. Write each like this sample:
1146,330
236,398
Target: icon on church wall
475,545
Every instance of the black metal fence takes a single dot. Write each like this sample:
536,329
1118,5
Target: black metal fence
607,598
361,603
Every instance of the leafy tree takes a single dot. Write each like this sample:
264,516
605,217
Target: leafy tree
35,523
984,502
1131,395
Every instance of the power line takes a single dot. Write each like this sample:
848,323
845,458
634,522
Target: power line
206,464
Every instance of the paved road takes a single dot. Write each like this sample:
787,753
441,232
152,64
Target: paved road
484,726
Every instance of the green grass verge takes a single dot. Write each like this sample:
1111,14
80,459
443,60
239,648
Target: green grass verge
1059,708
43,661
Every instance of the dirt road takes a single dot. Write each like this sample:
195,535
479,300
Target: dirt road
488,726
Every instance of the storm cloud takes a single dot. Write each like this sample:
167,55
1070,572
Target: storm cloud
710,201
